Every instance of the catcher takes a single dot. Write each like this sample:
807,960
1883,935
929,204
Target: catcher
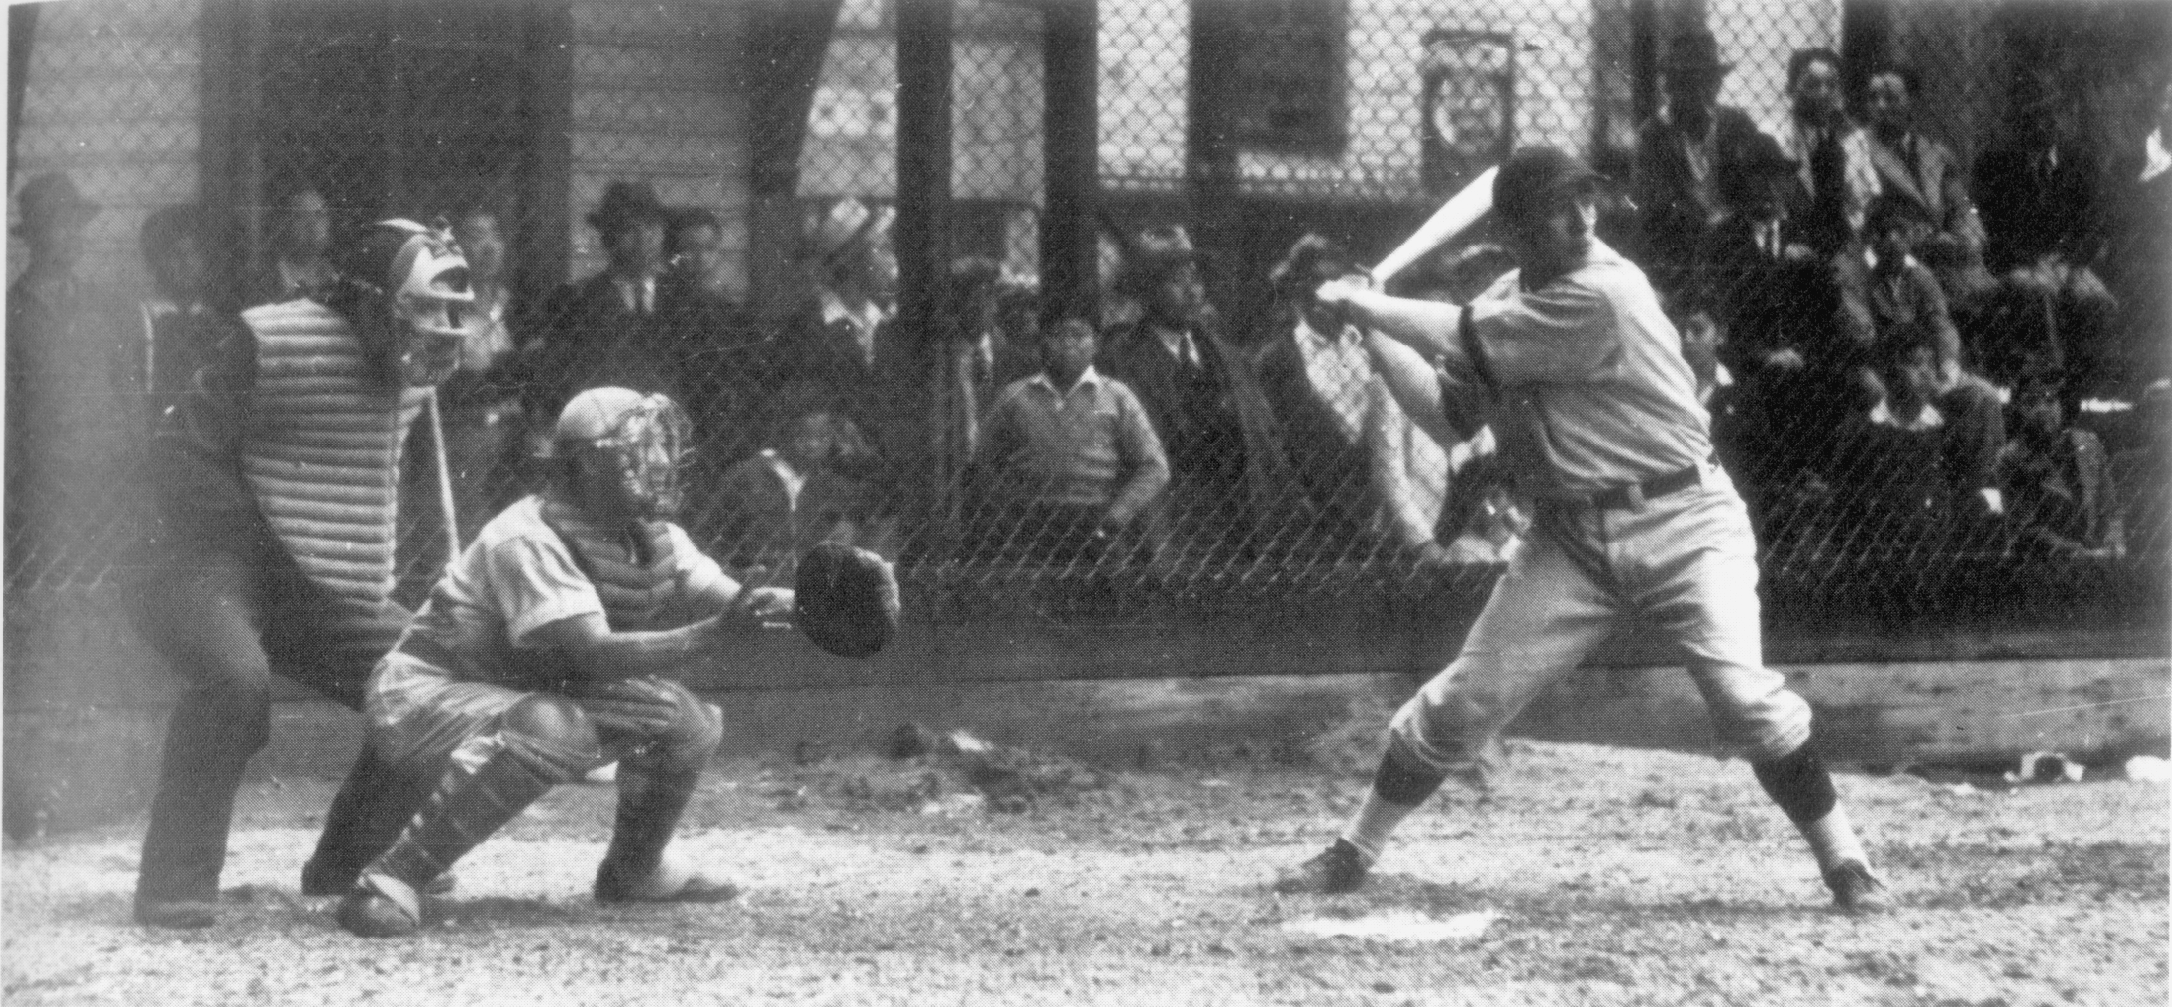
553,646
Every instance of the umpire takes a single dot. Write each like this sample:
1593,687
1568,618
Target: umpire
1583,380
278,476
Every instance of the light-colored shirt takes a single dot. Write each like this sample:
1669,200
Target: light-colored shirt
1091,445
519,576
863,321
1594,390
1340,374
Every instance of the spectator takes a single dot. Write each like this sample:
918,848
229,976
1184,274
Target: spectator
2044,228
1789,339
1365,475
980,358
840,350
1683,154
1907,475
183,318
2142,256
1179,365
1835,179
2056,478
727,359
694,250
1925,173
1070,462
301,265
482,410
607,330
807,488
1900,295
67,365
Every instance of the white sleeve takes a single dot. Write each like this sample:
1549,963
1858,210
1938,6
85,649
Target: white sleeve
534,583
699,574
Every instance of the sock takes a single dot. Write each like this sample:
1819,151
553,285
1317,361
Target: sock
1375,821
1833,841
1799,783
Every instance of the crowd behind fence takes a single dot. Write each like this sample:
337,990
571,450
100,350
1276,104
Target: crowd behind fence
1934,362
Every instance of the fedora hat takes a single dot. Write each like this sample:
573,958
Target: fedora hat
628,204
49,200
1694,51
844,225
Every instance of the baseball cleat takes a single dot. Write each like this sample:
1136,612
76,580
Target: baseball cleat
320,883
1339,868
178,914
380,906
1856,891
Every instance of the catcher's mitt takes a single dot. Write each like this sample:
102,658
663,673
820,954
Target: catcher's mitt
846,599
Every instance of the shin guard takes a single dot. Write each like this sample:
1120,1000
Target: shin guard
650,803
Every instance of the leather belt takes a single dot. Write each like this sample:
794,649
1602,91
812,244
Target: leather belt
429,651
1634,495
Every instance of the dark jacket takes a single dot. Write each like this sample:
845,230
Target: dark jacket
1673,216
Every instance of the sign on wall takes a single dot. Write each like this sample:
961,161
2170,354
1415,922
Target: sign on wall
1467,106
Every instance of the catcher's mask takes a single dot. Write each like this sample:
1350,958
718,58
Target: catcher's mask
420,276
634,444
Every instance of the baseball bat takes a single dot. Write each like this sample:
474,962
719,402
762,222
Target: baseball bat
1453,218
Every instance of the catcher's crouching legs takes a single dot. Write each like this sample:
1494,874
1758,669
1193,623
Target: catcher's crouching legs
539,741
375,802
654,788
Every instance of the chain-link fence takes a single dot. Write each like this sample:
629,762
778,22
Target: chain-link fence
1238,450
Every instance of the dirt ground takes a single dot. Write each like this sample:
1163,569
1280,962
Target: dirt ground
1586,876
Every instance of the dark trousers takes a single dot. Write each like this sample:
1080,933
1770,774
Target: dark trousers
226,621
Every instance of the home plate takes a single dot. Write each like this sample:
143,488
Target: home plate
1405,926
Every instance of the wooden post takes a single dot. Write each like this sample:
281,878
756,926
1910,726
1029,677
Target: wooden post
921,239
785,41
1644,59
921,233
1071,148
1210,162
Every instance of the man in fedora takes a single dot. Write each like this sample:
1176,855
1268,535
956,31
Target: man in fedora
611,328
1683,153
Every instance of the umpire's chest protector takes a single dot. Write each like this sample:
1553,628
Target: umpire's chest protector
322,448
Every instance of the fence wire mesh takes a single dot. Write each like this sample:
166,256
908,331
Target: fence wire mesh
1237,449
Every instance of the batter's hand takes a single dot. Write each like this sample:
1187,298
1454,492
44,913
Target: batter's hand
1337,293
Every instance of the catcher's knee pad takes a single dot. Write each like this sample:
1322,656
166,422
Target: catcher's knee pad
552,734
665,722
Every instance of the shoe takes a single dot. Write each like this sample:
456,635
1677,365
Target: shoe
380,906
1339,868
1856,891
318,883
177,914
672,881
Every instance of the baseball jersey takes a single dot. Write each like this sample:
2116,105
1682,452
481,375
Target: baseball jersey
1592,386
520,575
